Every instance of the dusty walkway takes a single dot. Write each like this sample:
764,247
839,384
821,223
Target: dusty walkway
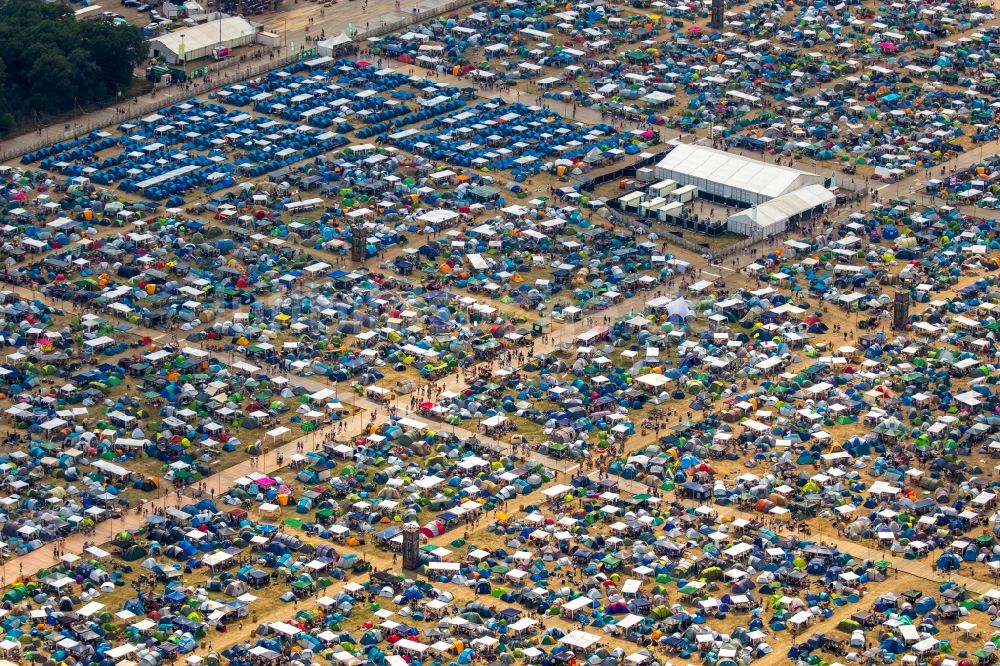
32,562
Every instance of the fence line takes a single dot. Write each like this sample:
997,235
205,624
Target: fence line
627,171
108,117
416,17
672,236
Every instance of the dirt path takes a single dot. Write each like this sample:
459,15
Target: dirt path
31,562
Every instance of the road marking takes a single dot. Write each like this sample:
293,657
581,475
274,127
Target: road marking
725,268
712,274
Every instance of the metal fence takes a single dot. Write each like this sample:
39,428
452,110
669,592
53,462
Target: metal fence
222,75
739,247
690,223
698,226
627,171
416,17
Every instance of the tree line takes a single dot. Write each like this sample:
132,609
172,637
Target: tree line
50,63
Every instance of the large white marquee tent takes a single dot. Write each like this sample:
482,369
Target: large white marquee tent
731,177
772,217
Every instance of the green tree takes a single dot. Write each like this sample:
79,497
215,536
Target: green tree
50,62
6,117
52,83
117,49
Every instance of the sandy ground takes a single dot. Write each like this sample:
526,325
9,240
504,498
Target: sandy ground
293,23
916,573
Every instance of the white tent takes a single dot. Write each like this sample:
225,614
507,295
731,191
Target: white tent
579,639
730,176
194,42
772,217
327,47
680,308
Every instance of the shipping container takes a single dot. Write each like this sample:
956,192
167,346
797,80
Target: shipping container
632,200
684,194
673,209
662,188
650,207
